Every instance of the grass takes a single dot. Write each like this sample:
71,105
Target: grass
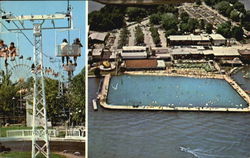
26,155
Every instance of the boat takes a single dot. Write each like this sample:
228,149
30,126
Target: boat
247,75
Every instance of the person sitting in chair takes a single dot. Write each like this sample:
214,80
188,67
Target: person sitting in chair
64,51
76,47
4,51
12,51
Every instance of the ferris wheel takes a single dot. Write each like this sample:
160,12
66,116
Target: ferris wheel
19,69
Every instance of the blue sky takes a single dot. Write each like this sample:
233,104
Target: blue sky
50,37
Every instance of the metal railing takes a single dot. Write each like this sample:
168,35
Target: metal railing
27,133
68,50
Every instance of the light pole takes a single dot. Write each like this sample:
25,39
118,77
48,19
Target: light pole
13,110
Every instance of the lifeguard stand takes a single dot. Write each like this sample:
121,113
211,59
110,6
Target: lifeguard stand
21,23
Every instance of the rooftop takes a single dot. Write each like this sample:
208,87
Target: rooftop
98,36
141,63
131,48
217,37
225,51
188,37
244,52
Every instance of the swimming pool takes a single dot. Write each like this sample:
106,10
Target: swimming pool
172,91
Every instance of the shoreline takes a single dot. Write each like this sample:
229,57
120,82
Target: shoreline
105,87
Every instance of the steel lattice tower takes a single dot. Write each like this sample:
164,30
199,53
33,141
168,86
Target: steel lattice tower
39,100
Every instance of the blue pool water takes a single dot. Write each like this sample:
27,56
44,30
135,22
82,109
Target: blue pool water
138,90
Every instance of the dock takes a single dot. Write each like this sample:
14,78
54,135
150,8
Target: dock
94,105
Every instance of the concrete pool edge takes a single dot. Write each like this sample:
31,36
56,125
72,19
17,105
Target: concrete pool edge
105,87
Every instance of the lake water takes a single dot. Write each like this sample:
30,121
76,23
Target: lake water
138,90
163,134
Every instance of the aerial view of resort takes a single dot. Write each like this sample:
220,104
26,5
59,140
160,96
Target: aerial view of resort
42,79
168,78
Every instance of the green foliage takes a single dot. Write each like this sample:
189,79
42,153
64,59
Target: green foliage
55,104
184,17
202,24
222,7
234,15
198,2
155,35
224,29
240,7
209,28
8,91
139,36
168,9
108,18
237,33
135,13
123,41
193,24
155,19
246,20
171,32
184,27
76,98
169,21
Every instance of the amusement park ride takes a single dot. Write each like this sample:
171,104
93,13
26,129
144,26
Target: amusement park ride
37,68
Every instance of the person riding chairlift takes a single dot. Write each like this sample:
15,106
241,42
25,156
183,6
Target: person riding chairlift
4,51
76,46
64,51
12,51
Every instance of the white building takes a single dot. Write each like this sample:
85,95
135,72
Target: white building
134,52
218,39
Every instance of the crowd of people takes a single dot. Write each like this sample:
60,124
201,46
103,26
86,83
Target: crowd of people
7,51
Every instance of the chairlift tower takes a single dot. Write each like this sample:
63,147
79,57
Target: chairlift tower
39,124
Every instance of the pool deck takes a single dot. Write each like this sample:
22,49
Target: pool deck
104,92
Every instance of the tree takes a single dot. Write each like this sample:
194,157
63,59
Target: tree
76,98
198,2
55,104
193,24
202,24
209,28
139,36
155,19
155,35
136,14
184,27
184,17
169,21
108,18
237,33
240,7
234,15
222,7
167,9
225,29
8,91
123,38
171,32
